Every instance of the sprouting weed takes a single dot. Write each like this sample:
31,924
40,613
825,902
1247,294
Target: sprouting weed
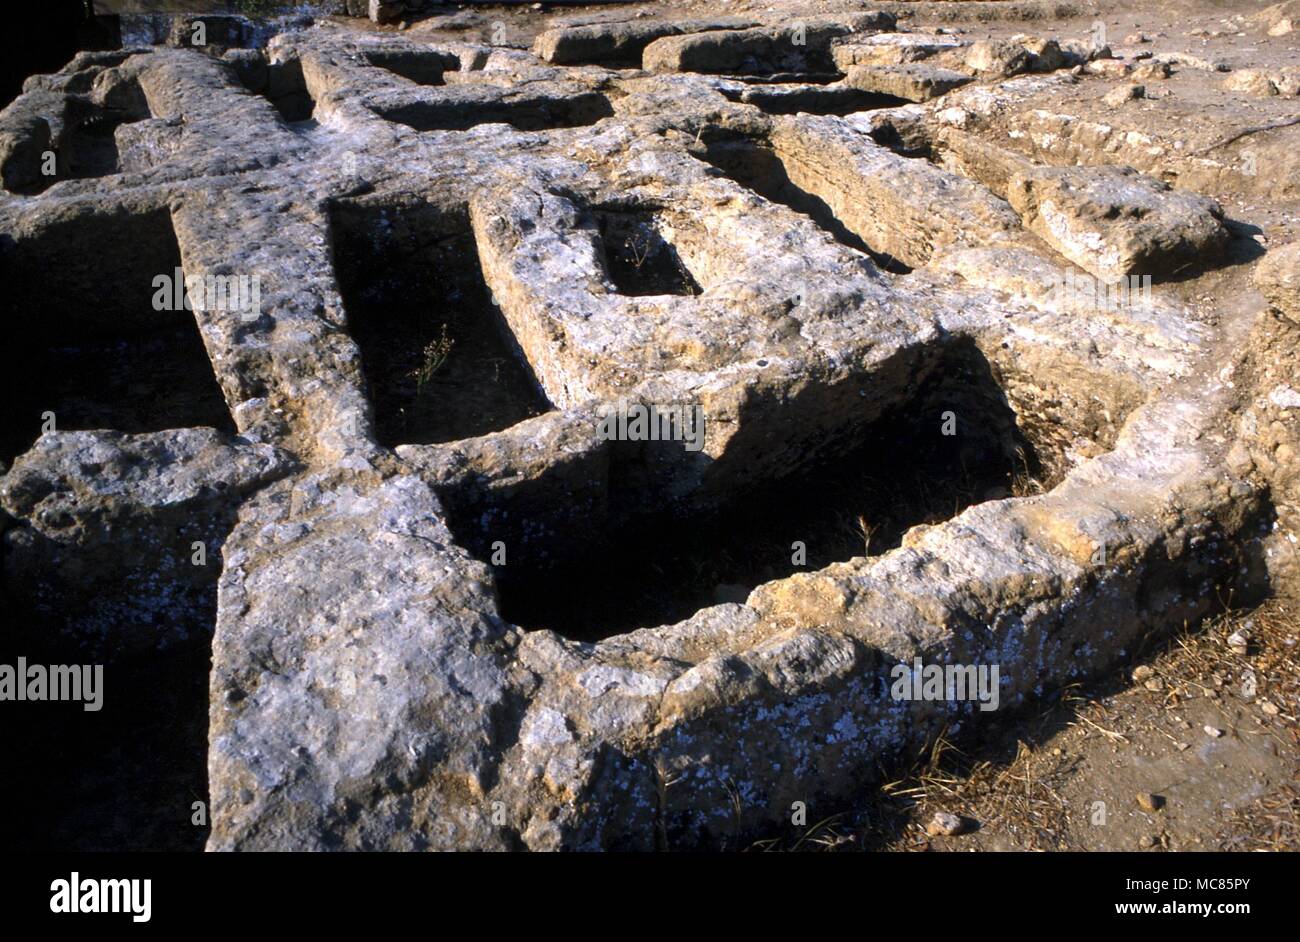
435,355
638,248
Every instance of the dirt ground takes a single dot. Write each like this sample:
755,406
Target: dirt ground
1195,748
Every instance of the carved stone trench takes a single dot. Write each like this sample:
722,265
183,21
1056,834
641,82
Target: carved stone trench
646,665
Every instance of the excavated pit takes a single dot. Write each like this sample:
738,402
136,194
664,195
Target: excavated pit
814,99
526,113
422,68
283,85
90,148
439,359
756,166
86,146
787,78
638,259
87,344
287,90
896,472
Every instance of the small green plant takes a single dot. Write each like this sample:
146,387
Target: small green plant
434,356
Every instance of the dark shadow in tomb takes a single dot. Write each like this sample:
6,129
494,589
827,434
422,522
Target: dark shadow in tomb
837,100
523,113
786,78
281,83
123,778
88,346
857,498
422,68
440,361
85,341
638,259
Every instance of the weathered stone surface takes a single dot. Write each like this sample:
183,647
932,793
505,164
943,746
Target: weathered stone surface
914,82
386,11
768,49
1264,82
1280,18
1268,429
402,661
1020,114
24,139
1002,58
975,158
108,525
999,57
1114,221
1149,71
871,189
1278,277
1188,61
1122,94
620,43
892,48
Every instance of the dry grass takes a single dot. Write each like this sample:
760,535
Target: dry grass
1011,782
432,358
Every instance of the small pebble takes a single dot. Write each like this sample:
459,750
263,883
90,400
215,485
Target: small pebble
1268,708
1124,93
1142,673
1213,731
1149,802
946,824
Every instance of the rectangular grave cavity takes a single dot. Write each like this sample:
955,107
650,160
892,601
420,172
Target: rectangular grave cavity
823,99
638,259
648,562
756,166
282,83
87,345
82,142
421,66
440,361
523,111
